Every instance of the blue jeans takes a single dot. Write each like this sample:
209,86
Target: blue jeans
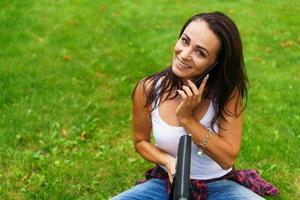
155,189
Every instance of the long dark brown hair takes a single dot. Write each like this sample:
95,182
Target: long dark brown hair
228,76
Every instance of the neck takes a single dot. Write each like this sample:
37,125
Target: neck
184,80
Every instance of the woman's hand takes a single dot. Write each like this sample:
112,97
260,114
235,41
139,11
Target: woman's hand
171,167
190,97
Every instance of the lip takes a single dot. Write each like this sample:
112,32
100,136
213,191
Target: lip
182,65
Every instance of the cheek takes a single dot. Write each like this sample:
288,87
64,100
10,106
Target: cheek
200,64
177,48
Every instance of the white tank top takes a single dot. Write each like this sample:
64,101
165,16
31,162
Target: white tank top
167,137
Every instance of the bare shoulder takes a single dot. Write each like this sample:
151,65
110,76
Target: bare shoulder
234,105
140,94
143,87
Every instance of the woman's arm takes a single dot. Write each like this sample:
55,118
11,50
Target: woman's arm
223,147
142,126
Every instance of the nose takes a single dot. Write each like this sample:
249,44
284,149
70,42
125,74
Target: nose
185,54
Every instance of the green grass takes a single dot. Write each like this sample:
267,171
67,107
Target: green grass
68,67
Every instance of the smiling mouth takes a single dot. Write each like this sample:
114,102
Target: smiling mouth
183,65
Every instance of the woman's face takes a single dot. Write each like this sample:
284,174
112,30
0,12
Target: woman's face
195,50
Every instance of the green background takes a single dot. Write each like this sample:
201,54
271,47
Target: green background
67,70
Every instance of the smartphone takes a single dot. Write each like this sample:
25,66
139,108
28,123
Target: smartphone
199,79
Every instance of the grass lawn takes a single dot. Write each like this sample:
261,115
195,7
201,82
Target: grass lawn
67,69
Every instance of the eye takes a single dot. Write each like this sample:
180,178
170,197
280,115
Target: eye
184,41
200,53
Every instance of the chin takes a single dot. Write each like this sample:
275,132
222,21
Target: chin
179,73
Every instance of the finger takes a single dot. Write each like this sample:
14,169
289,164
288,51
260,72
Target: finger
188,92
193,87
203,84
182,95
195,91
170,177
175,164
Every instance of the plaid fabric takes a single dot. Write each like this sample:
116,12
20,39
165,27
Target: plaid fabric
157,172
248,178
251,180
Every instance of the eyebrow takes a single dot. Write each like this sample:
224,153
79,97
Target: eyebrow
198,46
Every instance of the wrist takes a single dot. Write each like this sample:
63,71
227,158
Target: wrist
186,120
167,160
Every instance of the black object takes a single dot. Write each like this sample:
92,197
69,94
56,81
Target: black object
181,189
199,79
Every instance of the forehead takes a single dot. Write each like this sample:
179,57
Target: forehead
200,34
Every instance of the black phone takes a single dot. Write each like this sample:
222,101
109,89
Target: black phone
199,79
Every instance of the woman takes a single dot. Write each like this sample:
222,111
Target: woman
171,105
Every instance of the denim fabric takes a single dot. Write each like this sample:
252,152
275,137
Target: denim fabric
155,189
229,190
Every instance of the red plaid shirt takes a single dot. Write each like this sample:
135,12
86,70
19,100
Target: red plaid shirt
248,178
